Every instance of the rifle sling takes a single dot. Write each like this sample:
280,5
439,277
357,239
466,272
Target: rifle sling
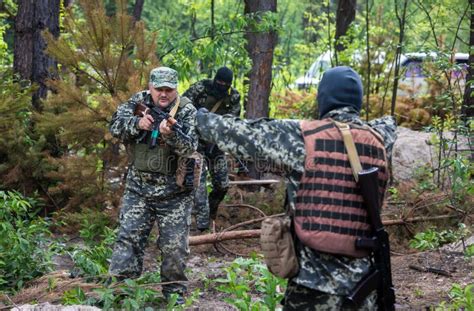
350,148
175,107
217,105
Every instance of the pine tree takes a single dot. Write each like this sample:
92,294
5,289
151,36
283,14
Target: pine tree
22,162
104,60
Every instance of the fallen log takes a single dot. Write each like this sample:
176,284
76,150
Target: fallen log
254,182
223,236
251,234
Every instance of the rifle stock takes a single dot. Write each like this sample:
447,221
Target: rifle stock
381,276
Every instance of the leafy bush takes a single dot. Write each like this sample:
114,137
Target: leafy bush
460,298
92,259
138,294
90,223
433,238
24,245
249,275
469,252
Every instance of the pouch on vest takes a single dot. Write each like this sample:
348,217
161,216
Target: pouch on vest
156,160
189,171
278,248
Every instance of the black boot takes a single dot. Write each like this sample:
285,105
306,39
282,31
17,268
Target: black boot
215,198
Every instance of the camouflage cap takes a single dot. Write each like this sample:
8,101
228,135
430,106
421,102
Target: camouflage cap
164,77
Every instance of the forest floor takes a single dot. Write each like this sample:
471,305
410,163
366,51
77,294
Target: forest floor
416,287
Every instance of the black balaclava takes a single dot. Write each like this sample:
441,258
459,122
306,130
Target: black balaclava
340,87
225,75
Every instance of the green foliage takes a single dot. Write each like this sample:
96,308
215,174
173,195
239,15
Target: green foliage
469,252
105,59
93,258
245,277
24,245
90,223
433,238
138,294
455,169
460,298
75,296
21,160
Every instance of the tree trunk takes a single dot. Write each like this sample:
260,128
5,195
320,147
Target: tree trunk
137,10
260,47
30,61
345,15
23,44
398,53
468,104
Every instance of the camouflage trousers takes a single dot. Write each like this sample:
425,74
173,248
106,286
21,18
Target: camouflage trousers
137,217
205,206
301,298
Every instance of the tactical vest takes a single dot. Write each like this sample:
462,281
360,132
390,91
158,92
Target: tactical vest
330,213
160,159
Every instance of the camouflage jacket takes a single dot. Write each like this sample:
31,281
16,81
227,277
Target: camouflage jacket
280,143
124,125
199,93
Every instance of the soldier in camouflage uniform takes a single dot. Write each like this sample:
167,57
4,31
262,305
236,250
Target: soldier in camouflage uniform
323,279
151,193
219,97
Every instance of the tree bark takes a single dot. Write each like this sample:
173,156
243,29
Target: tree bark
137,10
468,103
23,44
30,60
260,47
345,15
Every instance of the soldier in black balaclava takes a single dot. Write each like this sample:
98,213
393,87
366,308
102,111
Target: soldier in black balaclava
218,96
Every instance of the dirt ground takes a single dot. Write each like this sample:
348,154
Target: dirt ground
416,287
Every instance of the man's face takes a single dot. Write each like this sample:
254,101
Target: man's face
163,96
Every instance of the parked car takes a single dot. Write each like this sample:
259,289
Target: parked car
411,65
314,73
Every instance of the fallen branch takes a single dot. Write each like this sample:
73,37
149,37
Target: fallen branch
415,219
223,236
251,234
245,205
254,182
432,270
252,221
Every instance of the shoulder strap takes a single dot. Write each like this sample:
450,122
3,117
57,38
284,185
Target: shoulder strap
351,148
217,105
175,107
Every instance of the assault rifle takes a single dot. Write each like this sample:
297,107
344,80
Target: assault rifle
158,116
380,278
